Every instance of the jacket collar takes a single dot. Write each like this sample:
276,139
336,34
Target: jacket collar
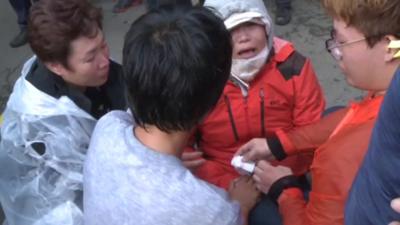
53,85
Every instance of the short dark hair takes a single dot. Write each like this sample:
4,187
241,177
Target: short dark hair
54,24
176,62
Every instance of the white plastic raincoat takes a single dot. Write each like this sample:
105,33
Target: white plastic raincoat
43,144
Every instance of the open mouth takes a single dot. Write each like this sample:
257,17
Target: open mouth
247,53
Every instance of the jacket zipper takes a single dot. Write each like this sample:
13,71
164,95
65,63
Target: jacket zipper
246,111
262,111
231,119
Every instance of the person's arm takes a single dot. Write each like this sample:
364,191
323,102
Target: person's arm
243,190
300,140
306,138
292,207
309,100
279,183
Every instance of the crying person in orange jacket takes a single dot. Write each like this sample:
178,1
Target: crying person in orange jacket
271,87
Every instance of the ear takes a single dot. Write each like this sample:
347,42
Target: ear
56,68
393,48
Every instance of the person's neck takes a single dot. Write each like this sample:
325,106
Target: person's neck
168,143
77,87
390,70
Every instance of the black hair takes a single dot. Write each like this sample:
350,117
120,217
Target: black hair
176,62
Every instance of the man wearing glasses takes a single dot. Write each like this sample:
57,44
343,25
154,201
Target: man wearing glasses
361,46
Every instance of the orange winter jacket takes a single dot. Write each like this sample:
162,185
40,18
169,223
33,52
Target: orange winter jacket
341,140
284,95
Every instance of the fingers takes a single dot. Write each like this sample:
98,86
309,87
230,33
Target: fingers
394,223
249,152
193,163
395,204
263,165
244,149
254,150
249,156
232,185
243,181
256,178
265,175
191,155
192,160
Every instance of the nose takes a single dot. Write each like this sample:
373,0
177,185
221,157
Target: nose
241,35
104,61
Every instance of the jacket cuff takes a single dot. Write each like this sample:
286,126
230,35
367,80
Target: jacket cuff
290,193
276,148
287,144
283,183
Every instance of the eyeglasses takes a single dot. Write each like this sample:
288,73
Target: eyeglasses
333,47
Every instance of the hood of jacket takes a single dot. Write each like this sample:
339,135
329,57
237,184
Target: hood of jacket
235,12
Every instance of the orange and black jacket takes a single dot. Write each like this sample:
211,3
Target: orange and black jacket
339,142
284,95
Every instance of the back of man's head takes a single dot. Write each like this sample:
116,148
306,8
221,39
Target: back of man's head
176,62
54,24
373,18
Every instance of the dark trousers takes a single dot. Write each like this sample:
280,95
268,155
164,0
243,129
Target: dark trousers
266,212
21,7
154,4
283,3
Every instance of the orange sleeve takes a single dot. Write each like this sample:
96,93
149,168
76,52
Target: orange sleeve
292,207
319,210
308,138
309,98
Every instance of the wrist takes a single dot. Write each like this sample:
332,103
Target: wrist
276,148
281,184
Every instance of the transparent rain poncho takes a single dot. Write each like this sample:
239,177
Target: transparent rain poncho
43,145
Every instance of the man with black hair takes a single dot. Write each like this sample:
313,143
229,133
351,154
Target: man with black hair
176,62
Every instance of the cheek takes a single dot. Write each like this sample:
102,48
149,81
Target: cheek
263,43
349,60
356,72
87,71
261,35
92,70
260,41
234,49
107,51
